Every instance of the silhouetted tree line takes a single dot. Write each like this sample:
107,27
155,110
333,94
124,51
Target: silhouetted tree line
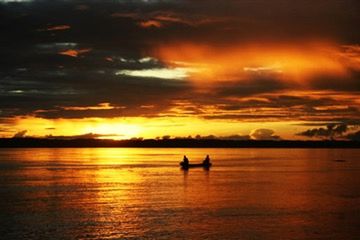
172,143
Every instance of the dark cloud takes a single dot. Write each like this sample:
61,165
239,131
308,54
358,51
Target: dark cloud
349,83
59,54
321,124
84,136
331,131
110,23
20,134
272,107
250,87
236,137
354,136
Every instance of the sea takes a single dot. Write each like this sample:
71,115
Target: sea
142,193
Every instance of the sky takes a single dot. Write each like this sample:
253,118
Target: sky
244,69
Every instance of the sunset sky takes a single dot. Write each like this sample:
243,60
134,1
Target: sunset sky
239,69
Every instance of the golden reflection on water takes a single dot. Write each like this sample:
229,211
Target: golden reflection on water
142,193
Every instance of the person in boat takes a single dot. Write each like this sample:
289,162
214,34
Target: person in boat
185,160
207,160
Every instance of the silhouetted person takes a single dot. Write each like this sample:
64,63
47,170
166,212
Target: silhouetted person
207,160
185,163
186,160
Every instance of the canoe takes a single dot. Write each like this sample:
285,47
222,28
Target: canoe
195,165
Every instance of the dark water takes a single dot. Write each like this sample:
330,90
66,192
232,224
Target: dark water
142,194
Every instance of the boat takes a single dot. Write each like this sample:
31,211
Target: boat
195,165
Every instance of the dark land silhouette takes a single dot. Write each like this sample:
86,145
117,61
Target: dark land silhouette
171,143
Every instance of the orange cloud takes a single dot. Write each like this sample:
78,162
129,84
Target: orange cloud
100,106
296,62
56,28
74,52
351,53
150,23
172,17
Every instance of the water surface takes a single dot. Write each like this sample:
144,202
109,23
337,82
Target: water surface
123,193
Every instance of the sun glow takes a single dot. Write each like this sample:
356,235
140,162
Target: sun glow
116,128
122,131
127,128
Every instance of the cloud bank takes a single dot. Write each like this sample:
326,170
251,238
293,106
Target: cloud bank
245,61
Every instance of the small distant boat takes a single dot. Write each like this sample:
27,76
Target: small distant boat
195,165
339,160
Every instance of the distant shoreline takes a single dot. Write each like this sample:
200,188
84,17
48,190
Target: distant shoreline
168,143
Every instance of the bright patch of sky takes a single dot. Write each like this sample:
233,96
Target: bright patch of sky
163,73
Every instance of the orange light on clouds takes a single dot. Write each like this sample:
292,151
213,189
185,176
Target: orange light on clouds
126,128
74,52
298,63
56,28
100,106
150,23
114,128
